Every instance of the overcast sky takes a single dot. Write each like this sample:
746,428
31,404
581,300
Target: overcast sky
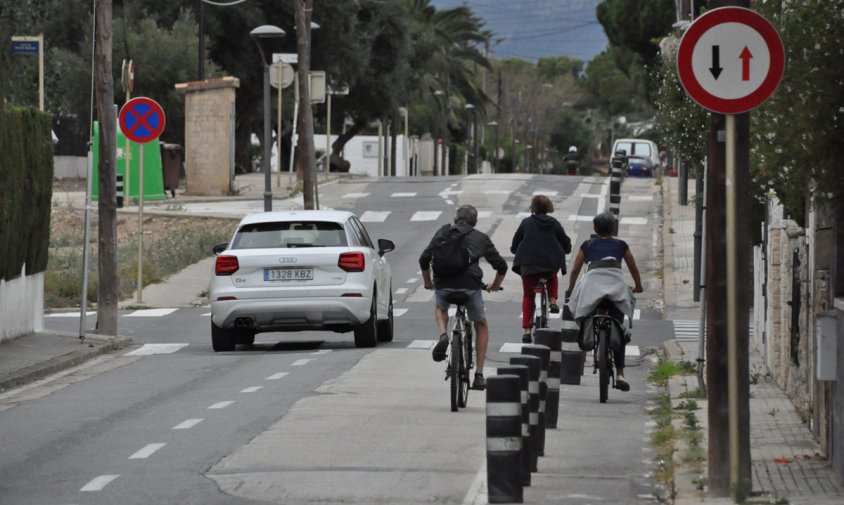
532,29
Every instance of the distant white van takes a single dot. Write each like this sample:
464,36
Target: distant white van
643,149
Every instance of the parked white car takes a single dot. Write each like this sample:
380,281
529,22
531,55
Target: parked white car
642,155
301,270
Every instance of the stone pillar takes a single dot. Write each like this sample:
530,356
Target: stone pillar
209,135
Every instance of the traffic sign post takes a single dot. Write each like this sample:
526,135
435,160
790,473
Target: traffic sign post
142,120
730,60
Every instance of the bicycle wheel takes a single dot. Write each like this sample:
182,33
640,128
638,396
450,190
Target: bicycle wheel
603,366
465,358
455,364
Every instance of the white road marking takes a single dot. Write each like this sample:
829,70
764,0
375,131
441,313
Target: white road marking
637,314
300,362
477,492
403,195
99,483
206,315
426,215
147,451
640,198
634,220
151,313
187,424
321,352
590,195
449,202
373,216
412,280
498,191
523,214
399,312
252,389
421,344
220,405
632,351
70,314
277,376
483,214
448,192
355,195
580,218
150,349
401,291
546,192
511,347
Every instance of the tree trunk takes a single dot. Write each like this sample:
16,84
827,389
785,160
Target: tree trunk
305,161
107,205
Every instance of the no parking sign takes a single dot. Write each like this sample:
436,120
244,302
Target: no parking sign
142,120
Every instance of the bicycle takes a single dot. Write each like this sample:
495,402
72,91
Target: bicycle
459,361
602,356
540,304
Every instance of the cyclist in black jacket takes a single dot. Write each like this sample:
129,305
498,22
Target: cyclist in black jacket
469,281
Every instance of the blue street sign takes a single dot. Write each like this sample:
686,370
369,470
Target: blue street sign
25,47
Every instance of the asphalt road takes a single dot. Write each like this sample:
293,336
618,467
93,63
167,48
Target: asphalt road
308,418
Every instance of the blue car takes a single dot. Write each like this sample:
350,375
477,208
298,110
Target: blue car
639,167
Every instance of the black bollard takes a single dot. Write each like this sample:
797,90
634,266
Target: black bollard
618,164
119,190
504,439
543,353
572,359
551,339
534,364
524,380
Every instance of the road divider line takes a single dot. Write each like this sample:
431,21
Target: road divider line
147,451
220,405
252,389
277,376
300,362
99,483
187,424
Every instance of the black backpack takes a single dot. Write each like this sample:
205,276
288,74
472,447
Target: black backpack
451,257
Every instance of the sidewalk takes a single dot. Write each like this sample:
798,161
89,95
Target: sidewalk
786,464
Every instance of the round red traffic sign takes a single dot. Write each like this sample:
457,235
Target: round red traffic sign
141,120
730,60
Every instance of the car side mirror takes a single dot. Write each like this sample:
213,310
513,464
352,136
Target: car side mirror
385,246
220,248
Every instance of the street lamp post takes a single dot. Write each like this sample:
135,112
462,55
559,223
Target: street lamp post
473,167
262,33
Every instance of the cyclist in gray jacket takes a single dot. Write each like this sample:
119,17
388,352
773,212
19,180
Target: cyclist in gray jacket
470,281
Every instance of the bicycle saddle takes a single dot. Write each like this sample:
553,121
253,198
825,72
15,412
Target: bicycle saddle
457,298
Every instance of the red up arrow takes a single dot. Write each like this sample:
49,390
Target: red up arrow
745,64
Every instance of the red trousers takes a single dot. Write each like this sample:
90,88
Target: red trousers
528,284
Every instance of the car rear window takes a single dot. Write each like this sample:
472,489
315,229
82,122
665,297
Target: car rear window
290,234
635,149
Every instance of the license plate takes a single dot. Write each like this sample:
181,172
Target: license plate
288,274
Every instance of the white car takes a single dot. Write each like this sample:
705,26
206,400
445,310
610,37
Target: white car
301,270
642,155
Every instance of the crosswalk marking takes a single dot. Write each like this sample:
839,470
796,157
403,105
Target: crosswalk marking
151,312
545,192
634,220
399,312
355,195
70,314
426,215
372,216
401,291
640,198
150,349
403,195
421,344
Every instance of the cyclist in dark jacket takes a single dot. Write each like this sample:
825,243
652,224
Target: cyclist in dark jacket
540,246
470,282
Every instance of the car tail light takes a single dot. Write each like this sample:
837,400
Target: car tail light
352,261
226,265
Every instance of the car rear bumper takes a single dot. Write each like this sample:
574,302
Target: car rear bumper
340,313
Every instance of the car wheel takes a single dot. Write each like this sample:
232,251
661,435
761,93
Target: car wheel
221,339
245,337
366,334
385,327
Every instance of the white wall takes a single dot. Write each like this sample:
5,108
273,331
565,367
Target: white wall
21,305
362,152
70,167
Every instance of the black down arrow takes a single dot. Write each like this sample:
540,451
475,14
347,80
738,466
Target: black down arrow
716,62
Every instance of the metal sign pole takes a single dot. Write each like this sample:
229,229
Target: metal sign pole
140,223
732,299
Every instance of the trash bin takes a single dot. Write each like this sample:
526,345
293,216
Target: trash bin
171,166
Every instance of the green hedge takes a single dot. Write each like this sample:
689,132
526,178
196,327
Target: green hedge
26,190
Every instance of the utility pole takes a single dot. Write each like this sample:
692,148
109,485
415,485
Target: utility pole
725,449
305,161
107,205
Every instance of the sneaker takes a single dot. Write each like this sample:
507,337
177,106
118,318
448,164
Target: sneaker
479,383
622,385
526,339
555,309
439,349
